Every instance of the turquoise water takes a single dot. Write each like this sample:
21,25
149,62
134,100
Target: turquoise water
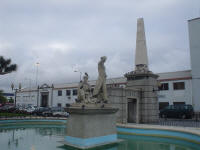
47,137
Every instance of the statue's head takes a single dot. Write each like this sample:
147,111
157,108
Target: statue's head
85,77
103,58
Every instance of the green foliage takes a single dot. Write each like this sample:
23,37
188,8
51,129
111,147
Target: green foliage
11,100
3,99
5,114
6,66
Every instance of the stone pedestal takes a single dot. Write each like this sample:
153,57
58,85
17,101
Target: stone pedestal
90,127
146,82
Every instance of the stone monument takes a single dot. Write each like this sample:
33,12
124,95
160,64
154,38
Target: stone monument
100,90
84,90
92,122
144,80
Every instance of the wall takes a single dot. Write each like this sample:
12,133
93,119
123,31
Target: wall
64,99
26,98
172,95
194,38
118,99
30,97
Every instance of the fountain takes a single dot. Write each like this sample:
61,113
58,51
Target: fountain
92,122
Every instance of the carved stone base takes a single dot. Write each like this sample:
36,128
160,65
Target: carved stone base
90,126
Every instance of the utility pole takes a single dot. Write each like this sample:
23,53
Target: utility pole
37,65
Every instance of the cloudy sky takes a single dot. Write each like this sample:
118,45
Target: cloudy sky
65,35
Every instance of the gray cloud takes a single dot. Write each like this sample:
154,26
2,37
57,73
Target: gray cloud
63,34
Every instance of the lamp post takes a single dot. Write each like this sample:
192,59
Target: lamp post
16,90
37,65
79,72
29,87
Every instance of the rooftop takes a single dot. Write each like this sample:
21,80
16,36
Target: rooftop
194,19
177,75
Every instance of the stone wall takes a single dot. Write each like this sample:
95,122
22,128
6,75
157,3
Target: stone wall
118,99
149,101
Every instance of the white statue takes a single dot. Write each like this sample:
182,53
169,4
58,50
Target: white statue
84,90
100,91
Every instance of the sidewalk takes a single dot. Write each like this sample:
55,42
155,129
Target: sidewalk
192,130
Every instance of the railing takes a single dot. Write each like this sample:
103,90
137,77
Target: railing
195,122
197,116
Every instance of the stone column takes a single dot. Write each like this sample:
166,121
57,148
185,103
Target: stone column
143,79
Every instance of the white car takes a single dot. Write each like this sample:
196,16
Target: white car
59,112
30,109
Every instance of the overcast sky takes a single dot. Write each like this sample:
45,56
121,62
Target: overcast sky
64,35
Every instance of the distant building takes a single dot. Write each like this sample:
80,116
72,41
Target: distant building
194,38
175,88
57,95
180,87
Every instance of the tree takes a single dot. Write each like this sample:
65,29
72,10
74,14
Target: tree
6,66
3,99
11,100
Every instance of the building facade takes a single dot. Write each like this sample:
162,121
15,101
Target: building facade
194,38
58,94
180,87
175,88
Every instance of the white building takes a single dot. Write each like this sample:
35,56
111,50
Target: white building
175,88
181,87
57,95
194,38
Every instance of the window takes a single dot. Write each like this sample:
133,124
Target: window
74,92
92,90
179,85
163,105
59,105
179,103
164,86
59,92
68,92
67,105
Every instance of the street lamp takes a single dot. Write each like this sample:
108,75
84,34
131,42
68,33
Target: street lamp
37,64
16,90
29,87
79,72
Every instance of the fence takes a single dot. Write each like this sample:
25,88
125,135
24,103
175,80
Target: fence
179,122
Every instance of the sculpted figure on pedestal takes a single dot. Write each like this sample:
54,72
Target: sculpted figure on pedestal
100,91
84,90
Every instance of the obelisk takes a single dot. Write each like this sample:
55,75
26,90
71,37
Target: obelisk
141,58
144,80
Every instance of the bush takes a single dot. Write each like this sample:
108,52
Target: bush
6,114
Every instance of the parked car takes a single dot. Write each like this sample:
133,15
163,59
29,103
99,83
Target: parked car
30,109
177,111
39,110
8,108
56,111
